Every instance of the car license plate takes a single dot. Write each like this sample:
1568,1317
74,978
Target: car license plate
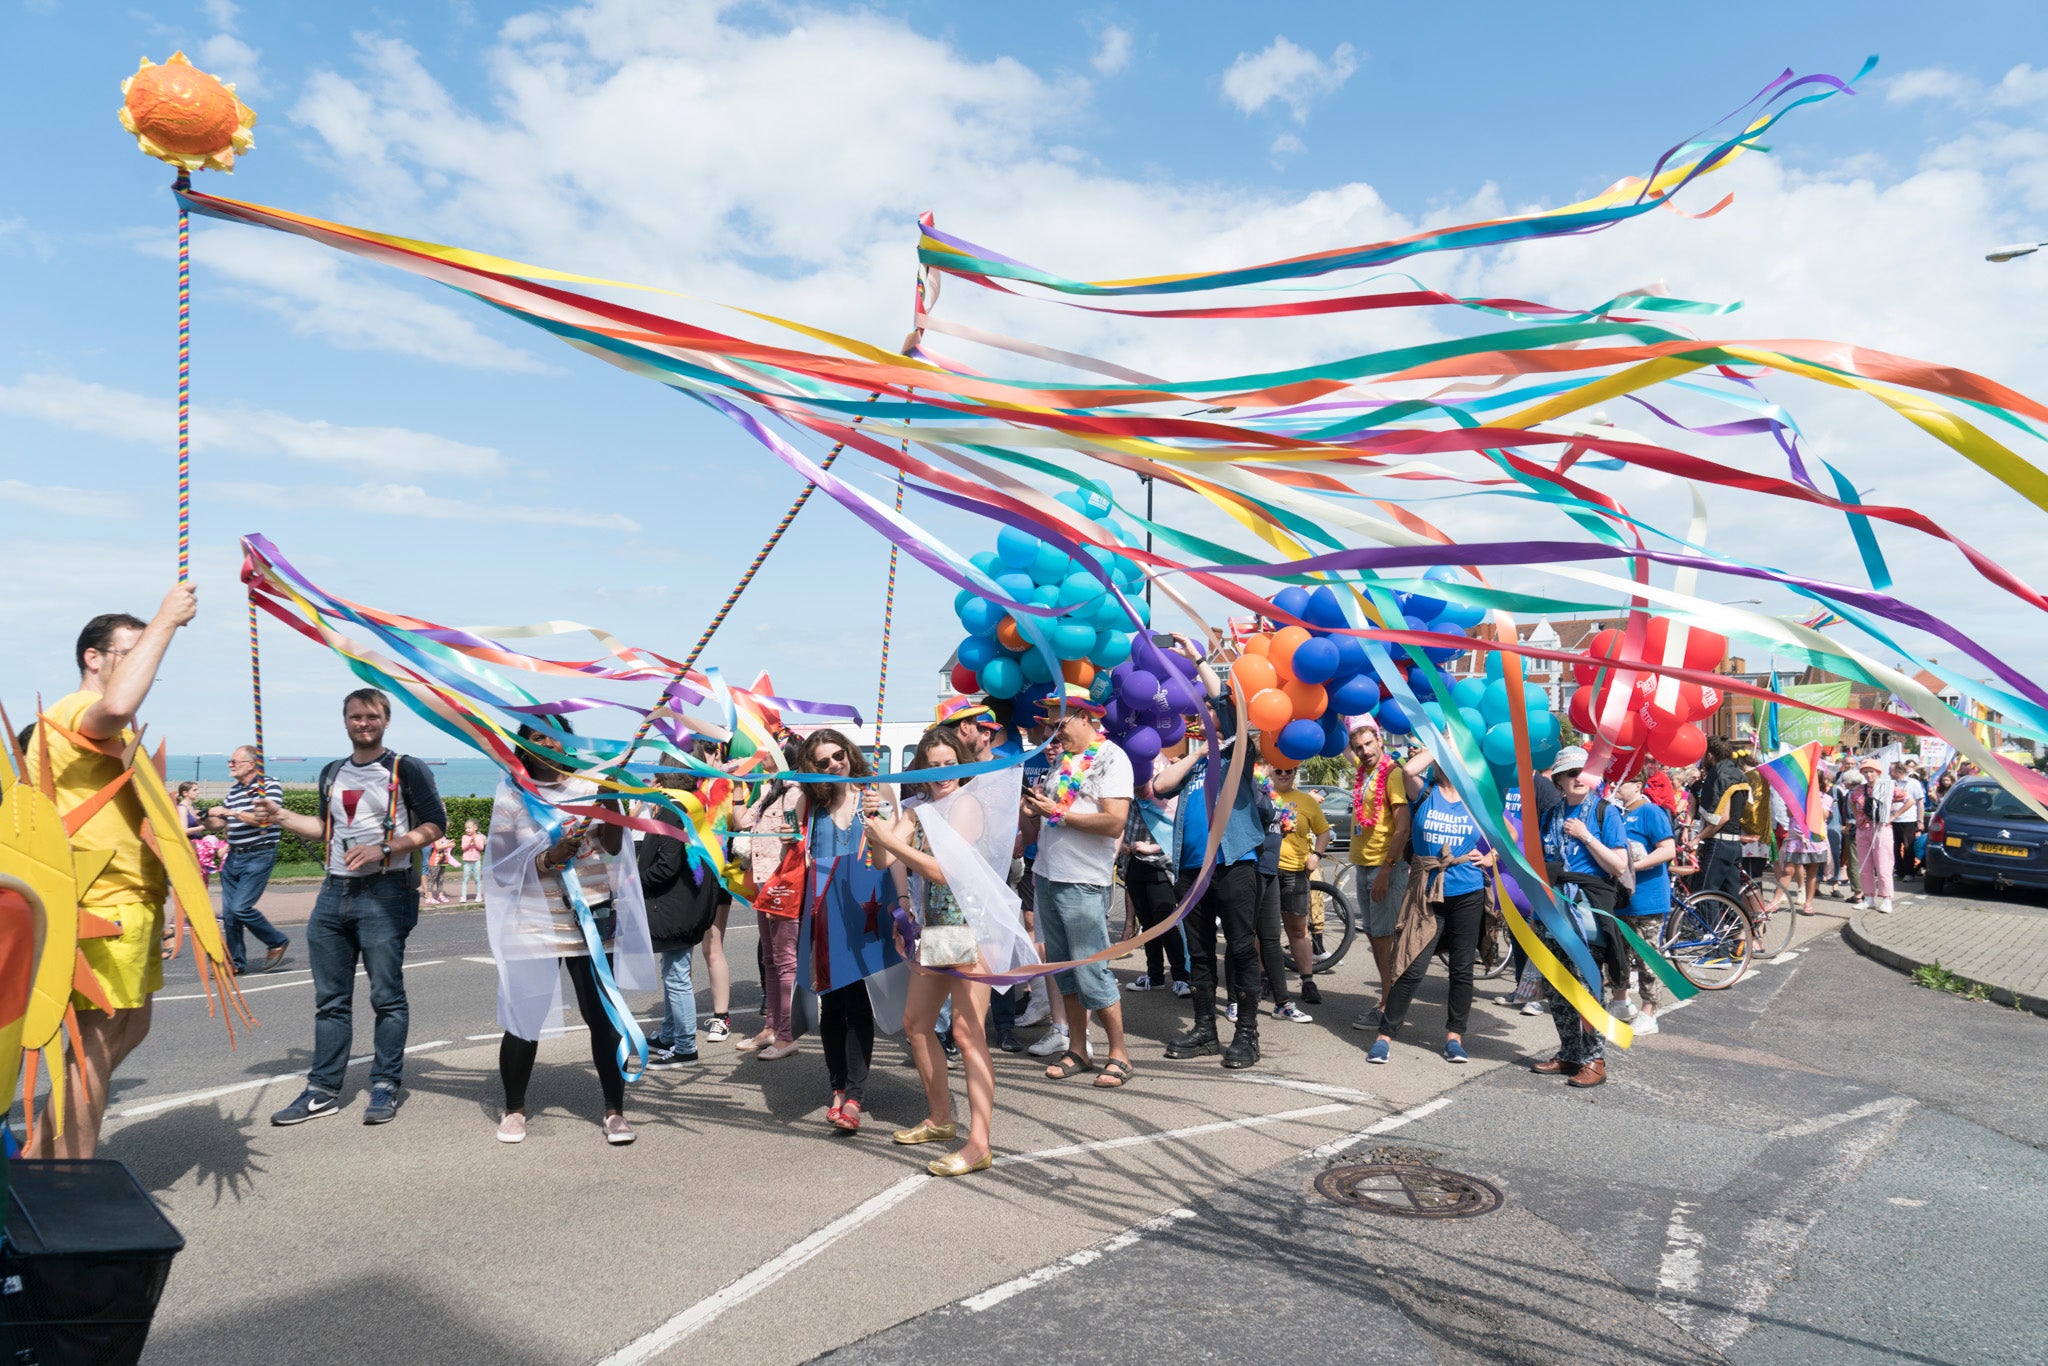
2008,850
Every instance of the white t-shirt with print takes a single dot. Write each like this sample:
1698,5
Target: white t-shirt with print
355,809
1069,855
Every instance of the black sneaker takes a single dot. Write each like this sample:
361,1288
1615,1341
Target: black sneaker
659,1059
311,1104
1310,992
383,1107
1009,1042
952,1049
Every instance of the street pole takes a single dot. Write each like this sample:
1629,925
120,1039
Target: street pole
1148,540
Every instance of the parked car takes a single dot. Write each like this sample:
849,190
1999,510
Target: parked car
1983,833
1336,804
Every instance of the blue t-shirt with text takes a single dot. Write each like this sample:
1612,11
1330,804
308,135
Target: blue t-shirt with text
1443,825
1650,825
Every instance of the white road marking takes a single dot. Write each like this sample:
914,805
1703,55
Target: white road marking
775,1268
989,1299
1391,1122
485,959
1680,1269
1314,1088
1784,957
194,1097
1826,1122
274,986
765,1275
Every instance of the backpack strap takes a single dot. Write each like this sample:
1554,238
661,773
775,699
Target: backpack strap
326,812
391,804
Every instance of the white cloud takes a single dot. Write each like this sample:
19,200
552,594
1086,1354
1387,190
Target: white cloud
233,60
101,410
65,502
1289,74
222,13
2019,88
410,500
1112,50
1284,146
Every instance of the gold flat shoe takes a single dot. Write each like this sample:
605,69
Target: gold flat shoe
953,1164
926,1132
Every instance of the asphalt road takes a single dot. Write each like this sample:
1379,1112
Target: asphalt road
1744,1186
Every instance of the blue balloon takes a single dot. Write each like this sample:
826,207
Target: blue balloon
1499,745
1355,696
1291,602
1466,692
1442,573
1325,610
962,598
1315,661
1108,615
1050,565
1459,616
1300,740
1016,583
1111,648
1493,703
1418,679
1496,664
1071,640
1079,589
987,561
1392,718
1419,608
1017,549
976,651
1336,736
1544,731
1352,659
981,617
1001,677
1036,670
1045,595
1101,688
1474,722
1442,654
1534,698
1541,757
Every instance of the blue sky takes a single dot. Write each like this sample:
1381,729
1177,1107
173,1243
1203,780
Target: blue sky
411,450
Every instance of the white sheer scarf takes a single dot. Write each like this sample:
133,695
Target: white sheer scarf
972,831
528,931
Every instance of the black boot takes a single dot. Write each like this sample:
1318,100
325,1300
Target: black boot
1198,1042
1244,1043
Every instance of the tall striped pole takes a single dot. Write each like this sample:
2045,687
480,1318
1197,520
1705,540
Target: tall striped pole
256,680
183,183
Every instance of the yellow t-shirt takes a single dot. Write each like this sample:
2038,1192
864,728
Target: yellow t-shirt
135,876
1309,822
1369,847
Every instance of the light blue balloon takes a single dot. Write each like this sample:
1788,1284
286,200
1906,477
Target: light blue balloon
1493,703
1467,692
1017,549
1001,677
1144,611
1079,589
1071,640
1544,730
1108,615
981,617
1474,722
1496,664
1499,745
1534,698
1111,649
1050,566
1017,583
976,651
1036,670
1541,757
987,561
1045,595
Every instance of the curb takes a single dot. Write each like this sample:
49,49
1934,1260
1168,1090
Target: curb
1854,934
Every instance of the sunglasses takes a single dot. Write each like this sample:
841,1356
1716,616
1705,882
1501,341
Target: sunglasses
837,756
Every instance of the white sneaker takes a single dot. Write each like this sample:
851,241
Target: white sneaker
512,1128
1884,905
1142,983
1052,1045
1293,1012
1037,1013
1182,989
1646,1023
1535,1008
1230,1013
1624,1009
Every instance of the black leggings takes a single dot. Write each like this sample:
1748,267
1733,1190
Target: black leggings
846,1025
1232,903
1150,891
1271,960
516,1055
1459,920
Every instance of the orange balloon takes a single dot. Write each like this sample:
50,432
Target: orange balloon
1009,635
1271,709
1255,673
1078,671
1257,645
1285,642
1307,699
1269,748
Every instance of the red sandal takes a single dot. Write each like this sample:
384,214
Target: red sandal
848,1118
832,1111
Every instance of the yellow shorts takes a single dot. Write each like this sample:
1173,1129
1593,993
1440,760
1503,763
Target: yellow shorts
130,966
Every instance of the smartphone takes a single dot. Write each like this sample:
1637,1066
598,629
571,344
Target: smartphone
1164,640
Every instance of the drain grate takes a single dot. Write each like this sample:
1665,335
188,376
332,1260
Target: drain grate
1409,1190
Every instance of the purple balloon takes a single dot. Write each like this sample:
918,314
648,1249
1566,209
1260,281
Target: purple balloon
1141,744
1181,665
1113,718
1138,689
1173,732
1141,772
1180,695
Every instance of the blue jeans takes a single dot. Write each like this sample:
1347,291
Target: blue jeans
366,919
243,879
1073,917
679,1003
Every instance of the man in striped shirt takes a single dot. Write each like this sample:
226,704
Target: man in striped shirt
252,853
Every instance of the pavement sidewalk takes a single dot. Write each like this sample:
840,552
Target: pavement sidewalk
2004,950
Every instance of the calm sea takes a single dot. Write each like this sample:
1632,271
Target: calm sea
467,776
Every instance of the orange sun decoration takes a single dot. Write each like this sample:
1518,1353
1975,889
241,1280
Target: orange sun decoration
180,114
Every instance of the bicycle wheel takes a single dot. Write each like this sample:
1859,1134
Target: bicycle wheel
1770,932
1340,925
1706,937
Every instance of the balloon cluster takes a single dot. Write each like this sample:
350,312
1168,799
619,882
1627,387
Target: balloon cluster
1150,697
1298,684
1090,635
1658,720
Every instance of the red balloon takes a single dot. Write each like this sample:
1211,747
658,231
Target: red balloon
965,680
1678,746
1657,632
1579,711
1704,649
1627,735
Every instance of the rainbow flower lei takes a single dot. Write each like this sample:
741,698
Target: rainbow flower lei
1065,783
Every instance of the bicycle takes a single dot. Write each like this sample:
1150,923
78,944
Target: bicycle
1340,928
1707,938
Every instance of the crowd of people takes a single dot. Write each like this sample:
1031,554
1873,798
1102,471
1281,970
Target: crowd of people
922,906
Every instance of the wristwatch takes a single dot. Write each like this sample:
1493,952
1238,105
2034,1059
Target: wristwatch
387,849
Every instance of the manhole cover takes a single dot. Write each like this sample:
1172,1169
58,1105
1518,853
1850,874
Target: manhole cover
1409,1190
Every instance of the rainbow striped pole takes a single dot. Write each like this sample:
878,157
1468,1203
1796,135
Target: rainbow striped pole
256,680
183,183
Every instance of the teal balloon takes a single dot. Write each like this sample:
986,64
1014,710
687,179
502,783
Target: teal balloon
1435,713
1541,757
1036,670
1474,722
1016,549
1090,505
1001,677
1496,664
1050,566
1534,698
1108,615
988,562
1544,730
1111,649
1467,692
1499,745
1144,611
1071,640
981,617
1493,703
1045,595
1079,589
976,651
1016,583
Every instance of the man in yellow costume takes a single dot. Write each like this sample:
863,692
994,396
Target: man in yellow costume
118,657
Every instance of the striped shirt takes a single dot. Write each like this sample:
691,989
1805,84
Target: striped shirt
244,838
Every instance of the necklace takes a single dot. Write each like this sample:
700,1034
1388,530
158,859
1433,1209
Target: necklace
1367,816
1065,784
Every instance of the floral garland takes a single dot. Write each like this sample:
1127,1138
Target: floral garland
1065,783
1285,810
1367,817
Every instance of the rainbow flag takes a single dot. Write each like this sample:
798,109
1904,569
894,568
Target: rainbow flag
1795,777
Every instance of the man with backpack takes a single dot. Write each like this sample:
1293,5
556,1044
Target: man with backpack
378,810
1585,844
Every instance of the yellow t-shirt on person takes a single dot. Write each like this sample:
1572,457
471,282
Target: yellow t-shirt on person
1309,821
1369,848
134,876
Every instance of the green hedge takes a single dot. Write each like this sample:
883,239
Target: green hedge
305,802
